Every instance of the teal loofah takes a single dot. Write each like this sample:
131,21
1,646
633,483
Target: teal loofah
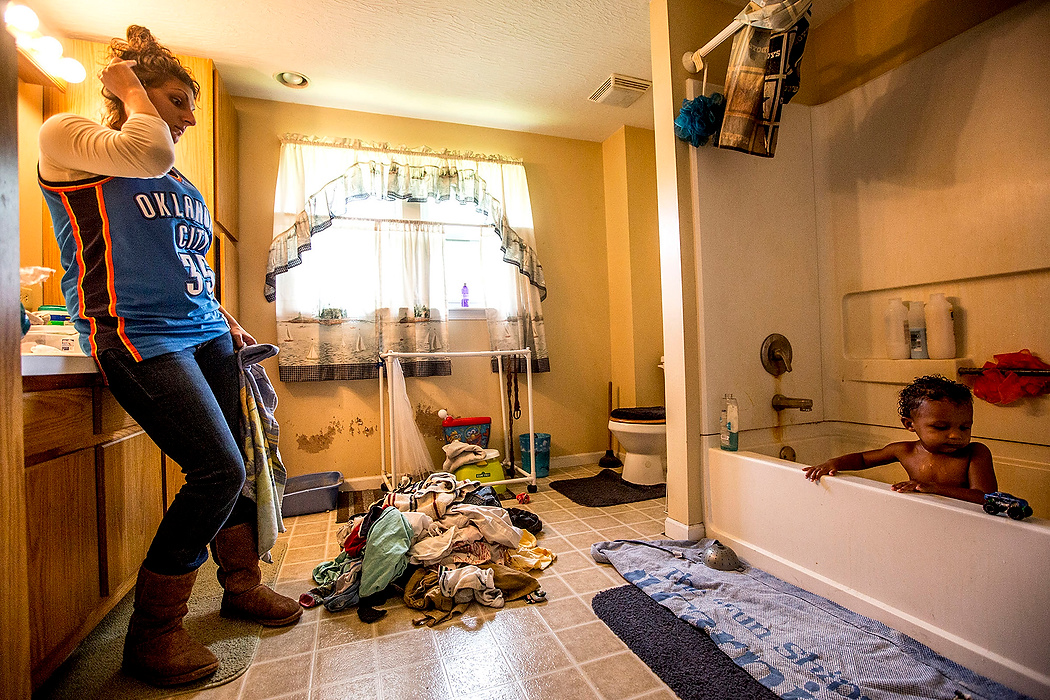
700,119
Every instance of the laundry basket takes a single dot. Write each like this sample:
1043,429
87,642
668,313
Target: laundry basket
543,453
311,493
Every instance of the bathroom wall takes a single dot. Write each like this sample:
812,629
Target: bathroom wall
31,208
333,425
757,262
867,38
632,235
935,177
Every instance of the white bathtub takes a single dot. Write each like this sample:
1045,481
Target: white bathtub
974,587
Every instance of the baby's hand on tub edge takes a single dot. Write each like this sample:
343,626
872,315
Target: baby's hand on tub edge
814,473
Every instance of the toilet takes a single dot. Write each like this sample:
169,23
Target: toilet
643,433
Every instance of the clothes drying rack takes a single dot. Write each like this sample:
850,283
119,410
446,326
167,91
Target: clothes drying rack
386,424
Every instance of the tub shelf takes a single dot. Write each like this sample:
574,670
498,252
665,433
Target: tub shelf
877,370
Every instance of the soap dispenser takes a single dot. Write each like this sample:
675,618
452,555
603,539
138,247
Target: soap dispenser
730,428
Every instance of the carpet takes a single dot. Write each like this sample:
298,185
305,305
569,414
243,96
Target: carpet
682,656
606,488
93,670
353,502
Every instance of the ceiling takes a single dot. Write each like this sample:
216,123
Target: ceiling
526,66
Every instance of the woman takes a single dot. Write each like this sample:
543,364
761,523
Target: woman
133,234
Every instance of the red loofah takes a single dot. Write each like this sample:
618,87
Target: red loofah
1000,386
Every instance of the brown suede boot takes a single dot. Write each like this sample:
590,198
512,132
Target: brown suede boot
239,574
157,649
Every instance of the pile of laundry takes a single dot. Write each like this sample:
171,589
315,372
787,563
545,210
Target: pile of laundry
440,544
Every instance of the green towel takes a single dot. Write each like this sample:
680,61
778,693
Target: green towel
385,551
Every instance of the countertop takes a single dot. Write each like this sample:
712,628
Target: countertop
42,365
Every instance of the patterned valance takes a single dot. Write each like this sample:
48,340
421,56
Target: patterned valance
412,175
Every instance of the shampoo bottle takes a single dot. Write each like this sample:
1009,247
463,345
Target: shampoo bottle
940,328
898,343
729,437
917,330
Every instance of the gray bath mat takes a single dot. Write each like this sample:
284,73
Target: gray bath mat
93,670
606,488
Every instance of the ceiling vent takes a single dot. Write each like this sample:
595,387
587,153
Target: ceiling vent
620,90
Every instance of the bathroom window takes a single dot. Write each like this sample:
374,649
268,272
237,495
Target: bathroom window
373,247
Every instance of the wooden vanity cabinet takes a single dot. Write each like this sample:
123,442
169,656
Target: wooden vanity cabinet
95,494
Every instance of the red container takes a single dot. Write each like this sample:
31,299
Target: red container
474,431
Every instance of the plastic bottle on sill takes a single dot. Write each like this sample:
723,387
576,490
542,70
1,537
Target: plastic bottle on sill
917,330
465,301
940,328
730,426
898,342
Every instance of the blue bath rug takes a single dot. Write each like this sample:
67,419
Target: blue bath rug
799,645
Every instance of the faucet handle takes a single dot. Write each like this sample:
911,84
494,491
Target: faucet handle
776,354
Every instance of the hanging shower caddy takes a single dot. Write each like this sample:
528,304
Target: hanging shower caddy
387,428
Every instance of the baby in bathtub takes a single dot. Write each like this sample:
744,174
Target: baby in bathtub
943,460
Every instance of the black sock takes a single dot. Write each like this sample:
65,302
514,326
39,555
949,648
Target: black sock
369,614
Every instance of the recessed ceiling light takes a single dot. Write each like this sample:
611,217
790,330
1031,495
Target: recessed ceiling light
291,79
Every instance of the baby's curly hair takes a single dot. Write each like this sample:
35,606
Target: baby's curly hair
932,387
154,64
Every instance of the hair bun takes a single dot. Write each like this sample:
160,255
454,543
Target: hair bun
141,39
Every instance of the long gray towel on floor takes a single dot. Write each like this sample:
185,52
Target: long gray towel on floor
265,475
797,644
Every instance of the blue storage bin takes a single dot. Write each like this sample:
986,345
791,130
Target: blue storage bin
311,493
543,453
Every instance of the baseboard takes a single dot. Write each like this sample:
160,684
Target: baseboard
680,531
362,483
577,460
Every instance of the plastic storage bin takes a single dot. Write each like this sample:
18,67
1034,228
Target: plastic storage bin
311,493
474,431
543,453
484,472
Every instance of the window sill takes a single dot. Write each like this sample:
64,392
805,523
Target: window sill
459,313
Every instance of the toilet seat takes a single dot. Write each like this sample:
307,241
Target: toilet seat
639,414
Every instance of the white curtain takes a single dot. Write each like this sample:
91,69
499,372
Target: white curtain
357,260
367,287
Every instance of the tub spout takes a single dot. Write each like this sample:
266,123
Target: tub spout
780,402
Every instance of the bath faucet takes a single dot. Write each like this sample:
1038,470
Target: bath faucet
780,402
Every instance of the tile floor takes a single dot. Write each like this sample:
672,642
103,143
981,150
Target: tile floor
558,649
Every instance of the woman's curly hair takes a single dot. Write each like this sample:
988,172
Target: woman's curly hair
932,387
154,64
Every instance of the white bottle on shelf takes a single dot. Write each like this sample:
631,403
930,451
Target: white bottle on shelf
940,328
917,330
898,344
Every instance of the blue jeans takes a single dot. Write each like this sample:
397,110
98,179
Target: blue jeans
188,402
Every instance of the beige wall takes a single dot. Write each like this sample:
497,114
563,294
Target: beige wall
867,38
928,183
632,232
332,425
30,212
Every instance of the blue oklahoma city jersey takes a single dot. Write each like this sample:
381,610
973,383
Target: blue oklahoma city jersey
134,251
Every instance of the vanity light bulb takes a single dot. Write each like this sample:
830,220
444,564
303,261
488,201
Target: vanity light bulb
48,48
21,18
70,70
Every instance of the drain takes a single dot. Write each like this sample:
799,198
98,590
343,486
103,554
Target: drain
787,452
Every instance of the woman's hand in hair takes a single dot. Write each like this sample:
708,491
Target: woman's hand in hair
121,81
